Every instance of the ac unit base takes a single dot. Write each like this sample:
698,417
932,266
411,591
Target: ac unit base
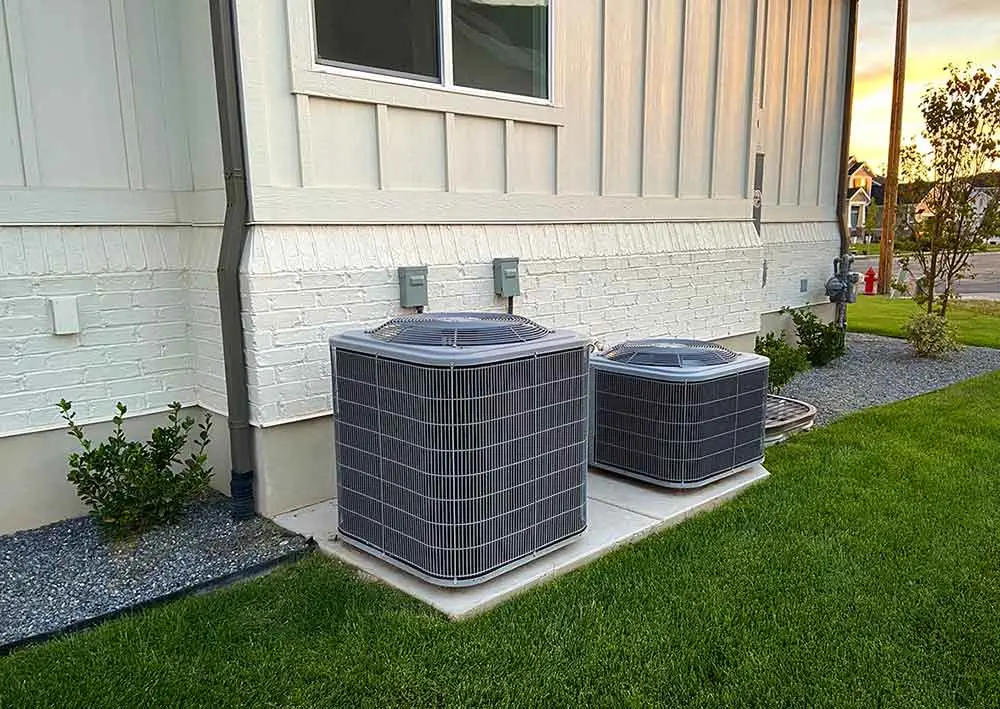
459,582
693,485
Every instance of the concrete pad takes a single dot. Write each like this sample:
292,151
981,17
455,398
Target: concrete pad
664,505
318,521
619,511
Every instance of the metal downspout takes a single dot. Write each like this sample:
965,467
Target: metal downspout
845,150
234,236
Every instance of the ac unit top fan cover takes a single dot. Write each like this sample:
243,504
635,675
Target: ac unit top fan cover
458,338
675,359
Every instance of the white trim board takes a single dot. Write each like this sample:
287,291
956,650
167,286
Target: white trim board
90,207
293,205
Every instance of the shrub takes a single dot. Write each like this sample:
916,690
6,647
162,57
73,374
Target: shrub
823,342
930,335
131,486
786,360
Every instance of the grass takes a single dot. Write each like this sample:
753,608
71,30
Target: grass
865,572
977,322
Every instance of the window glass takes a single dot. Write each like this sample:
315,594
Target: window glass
501,45
398,37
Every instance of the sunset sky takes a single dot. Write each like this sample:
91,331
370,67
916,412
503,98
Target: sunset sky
940,31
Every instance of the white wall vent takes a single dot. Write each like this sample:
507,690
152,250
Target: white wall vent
677,413
461,442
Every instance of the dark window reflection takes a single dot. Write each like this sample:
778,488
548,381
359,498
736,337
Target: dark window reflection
502,45
396,36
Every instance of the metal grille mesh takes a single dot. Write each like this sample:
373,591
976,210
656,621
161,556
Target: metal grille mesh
671,353
459,472
782,411
459,330
678,433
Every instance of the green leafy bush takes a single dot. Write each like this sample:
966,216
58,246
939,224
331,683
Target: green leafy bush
931,335
823,342
131,486
786,360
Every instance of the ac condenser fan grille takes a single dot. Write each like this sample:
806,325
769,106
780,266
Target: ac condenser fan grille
459,330
671,353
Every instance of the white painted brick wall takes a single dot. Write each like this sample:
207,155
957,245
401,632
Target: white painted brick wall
145,329
609,281
795,252
204,328
150,319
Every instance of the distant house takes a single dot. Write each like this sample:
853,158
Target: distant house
980,197
864,193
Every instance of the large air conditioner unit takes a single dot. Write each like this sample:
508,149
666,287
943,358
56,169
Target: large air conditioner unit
461,442
677,413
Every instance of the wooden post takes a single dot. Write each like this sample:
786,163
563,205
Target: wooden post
895,134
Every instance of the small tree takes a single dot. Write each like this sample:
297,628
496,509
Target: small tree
962,129
873,218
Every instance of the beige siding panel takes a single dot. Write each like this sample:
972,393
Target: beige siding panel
772,99
174,87
664,64
815,88
795,81
701,25
415,150
833,115
199,95
74,93
532,159
11,169
151,110
344,144
579,44
734,99
477,154
624,68
282,128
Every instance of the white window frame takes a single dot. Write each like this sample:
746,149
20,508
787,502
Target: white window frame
312,77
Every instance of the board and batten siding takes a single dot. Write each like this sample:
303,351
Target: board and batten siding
107,113
110,192
658,108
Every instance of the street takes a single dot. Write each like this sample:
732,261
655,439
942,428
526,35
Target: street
986,267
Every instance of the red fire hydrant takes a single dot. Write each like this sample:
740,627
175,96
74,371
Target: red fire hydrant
870,279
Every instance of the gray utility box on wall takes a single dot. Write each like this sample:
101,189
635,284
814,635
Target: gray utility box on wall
461,442
677,413
506,277
412,286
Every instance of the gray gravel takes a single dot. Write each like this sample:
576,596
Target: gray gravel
879,370
66,573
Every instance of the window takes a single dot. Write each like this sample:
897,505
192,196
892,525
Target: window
499,46
398,37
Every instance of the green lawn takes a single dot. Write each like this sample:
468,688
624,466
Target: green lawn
977,322
865,572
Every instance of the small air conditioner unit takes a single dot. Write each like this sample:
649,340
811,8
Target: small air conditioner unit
677,413
461,442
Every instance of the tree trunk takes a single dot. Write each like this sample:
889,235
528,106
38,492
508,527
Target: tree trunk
930,281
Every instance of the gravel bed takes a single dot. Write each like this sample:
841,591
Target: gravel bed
68,573
879,370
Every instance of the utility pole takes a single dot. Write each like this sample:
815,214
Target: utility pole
895,134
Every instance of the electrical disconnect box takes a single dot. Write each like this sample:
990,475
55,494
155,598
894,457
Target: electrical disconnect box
506,280
412,286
